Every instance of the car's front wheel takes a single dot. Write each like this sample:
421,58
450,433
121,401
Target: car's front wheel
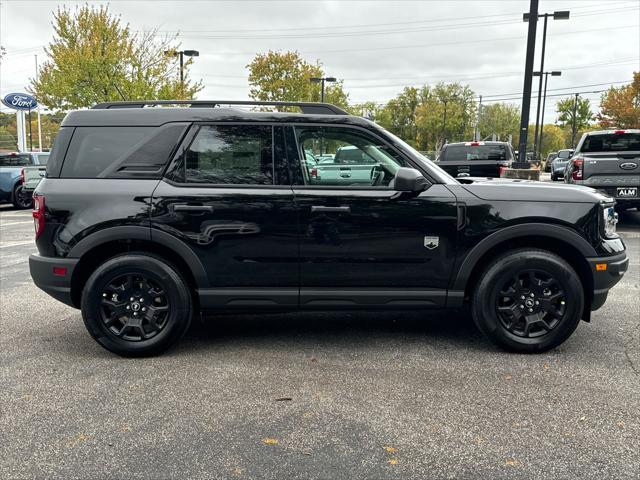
528,300
136,305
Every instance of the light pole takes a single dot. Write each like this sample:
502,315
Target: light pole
322,80
574,122
181,54
559,15
554,73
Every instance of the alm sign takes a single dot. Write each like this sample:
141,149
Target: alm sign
20,101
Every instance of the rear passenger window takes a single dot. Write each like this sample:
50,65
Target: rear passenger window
94,149
230,154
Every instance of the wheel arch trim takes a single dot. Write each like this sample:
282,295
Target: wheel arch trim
135,232
513,232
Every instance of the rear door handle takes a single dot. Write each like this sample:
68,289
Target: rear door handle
319,208
192,208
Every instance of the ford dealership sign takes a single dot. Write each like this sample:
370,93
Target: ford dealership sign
20,101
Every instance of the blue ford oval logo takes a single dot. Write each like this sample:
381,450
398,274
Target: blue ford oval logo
628,165
20,101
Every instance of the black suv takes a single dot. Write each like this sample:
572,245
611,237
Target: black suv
150,214
476,159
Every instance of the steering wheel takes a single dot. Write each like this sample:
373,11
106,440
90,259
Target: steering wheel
377,175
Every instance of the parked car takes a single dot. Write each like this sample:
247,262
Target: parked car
475,159
32,175
12,167
148,216
557,169
350,165
547,163
609,160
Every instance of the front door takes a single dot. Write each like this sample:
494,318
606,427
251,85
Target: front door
362,243
227,196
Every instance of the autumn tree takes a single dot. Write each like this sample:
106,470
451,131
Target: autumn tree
620,107
94,58
286,76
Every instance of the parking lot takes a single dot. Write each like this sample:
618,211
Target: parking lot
375,395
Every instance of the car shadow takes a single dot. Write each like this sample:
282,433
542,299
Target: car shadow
441,329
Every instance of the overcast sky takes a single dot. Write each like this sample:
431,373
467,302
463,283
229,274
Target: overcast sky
377,47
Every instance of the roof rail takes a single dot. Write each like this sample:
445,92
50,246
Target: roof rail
315,108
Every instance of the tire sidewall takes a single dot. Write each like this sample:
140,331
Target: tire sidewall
178,296
486,316
18,191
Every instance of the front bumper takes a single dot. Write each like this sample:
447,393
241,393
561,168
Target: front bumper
57,284
606,271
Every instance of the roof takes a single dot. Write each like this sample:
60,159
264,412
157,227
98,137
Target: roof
613,131
479,142
159,116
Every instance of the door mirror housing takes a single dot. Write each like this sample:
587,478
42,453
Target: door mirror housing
410,180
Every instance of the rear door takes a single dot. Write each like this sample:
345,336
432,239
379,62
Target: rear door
227,196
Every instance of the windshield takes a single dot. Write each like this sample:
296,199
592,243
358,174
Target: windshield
612,142
444,176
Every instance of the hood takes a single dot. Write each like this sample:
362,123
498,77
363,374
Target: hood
530,191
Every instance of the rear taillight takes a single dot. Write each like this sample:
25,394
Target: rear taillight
578,165
38,214
22,176
313,172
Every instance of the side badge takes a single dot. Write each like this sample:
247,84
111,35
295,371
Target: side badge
431,242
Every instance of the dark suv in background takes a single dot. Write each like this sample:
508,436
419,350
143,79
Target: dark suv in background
149,215
476,159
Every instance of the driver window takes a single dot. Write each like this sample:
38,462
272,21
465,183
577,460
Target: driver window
345,157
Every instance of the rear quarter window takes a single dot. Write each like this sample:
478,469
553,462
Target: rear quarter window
15,160
121,152
457,153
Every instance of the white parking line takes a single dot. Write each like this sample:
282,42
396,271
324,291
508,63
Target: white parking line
3,224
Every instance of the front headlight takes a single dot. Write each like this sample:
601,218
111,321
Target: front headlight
610,219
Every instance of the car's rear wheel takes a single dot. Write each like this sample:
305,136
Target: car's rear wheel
136,305
21,199
528,301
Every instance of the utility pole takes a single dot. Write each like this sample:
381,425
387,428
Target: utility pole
574,122
38,110
554,73
476,135
528,76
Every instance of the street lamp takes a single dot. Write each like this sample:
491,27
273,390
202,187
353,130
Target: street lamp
322,80
182,54
559,15
554,73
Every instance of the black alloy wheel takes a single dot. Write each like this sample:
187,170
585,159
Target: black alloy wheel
528,300
134,307
531,303
21,199
136,304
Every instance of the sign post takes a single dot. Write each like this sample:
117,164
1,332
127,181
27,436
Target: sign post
21,102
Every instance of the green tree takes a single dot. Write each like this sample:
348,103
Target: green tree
500,119
565,109
553,139
94,58
286,76
620,107
400,113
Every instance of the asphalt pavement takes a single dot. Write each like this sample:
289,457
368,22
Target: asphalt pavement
314,395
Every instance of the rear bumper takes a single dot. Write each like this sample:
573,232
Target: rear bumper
604,280
57,285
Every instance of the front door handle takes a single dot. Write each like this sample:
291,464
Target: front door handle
192,208
320,208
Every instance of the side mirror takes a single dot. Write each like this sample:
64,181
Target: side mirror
410,180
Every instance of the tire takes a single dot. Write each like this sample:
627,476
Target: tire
510,286
553,178
19,199
157,317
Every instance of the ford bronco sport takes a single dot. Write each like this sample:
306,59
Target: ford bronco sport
151,213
